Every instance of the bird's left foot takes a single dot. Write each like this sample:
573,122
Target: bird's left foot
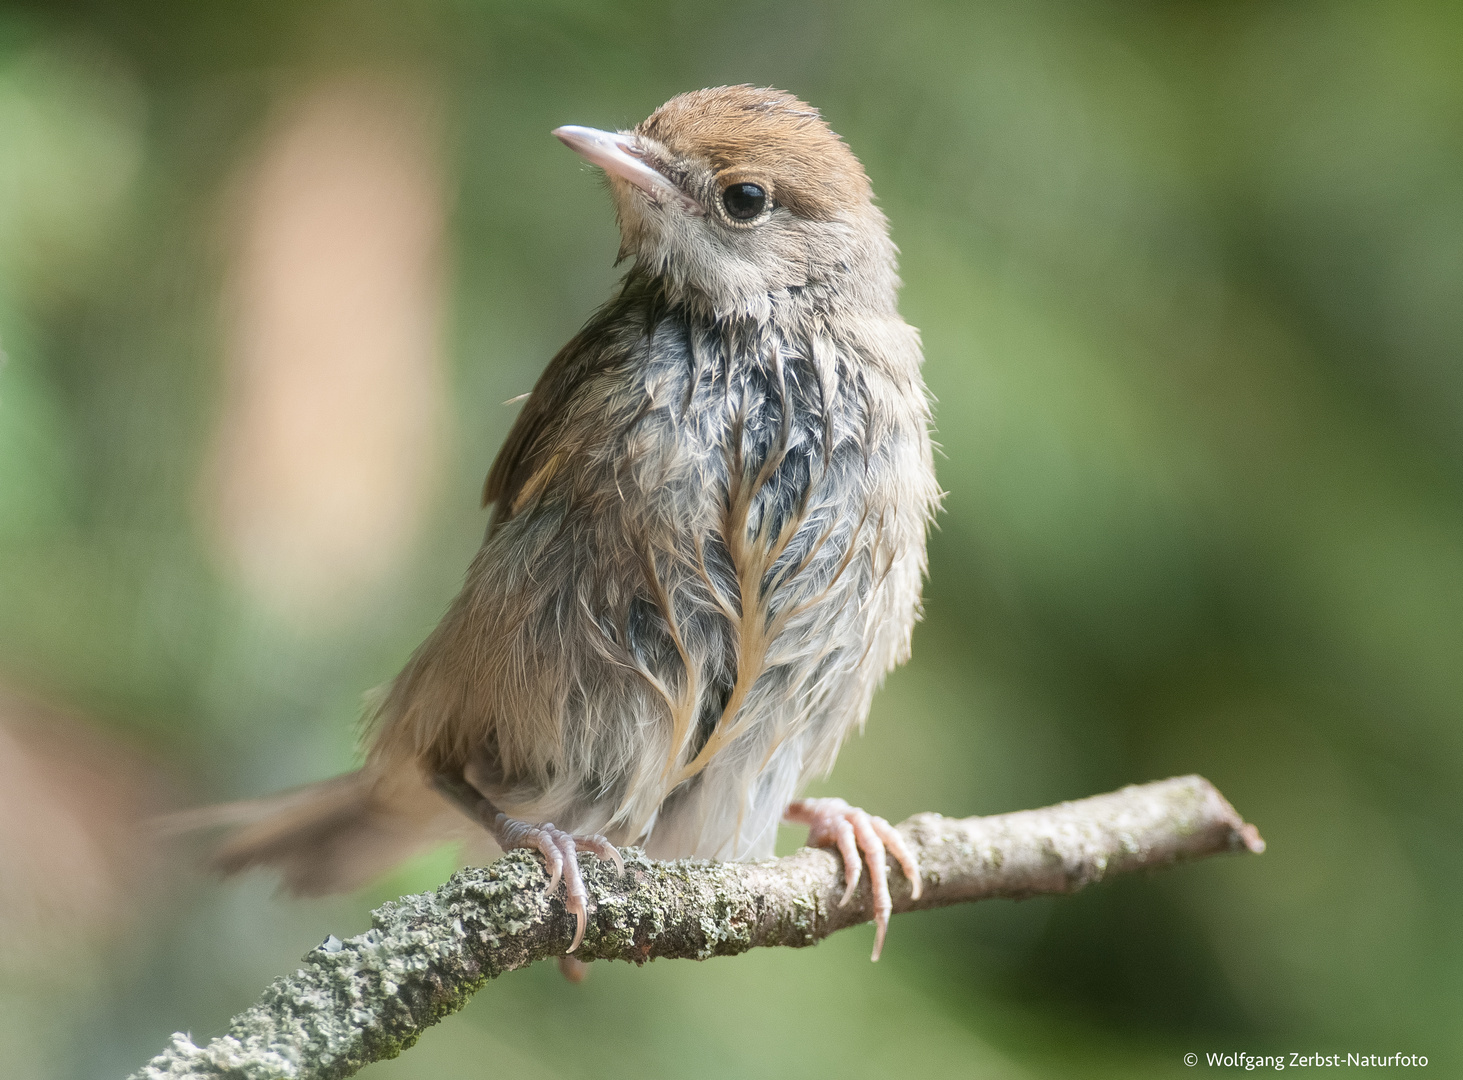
833,823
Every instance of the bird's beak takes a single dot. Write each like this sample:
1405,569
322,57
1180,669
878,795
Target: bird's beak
620,155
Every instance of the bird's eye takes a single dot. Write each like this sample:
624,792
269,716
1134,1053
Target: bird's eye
744,201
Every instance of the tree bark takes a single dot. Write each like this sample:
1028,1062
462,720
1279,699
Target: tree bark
370,997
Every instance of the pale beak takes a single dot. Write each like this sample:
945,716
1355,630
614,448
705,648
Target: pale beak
619,155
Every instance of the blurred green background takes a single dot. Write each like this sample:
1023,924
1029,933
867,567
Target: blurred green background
1190,278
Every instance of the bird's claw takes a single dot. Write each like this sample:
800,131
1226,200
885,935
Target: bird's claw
833,823
560,851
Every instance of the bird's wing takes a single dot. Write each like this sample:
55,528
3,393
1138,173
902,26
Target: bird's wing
528,455
526,448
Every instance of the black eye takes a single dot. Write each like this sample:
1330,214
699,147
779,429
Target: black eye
744,201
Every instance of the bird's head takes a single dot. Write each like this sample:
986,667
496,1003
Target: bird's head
742,198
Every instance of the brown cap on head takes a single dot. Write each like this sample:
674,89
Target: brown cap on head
768,137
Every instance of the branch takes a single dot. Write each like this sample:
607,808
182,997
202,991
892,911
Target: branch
369,998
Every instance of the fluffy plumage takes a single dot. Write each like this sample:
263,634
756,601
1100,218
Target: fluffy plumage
707,535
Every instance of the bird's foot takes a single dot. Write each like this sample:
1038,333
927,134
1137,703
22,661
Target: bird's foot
573,969
560,851
833,823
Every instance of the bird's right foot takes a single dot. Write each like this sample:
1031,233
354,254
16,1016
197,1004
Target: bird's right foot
559,848
560,851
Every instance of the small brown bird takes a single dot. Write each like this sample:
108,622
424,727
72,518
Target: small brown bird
706,546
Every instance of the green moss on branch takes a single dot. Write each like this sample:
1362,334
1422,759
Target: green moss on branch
371,997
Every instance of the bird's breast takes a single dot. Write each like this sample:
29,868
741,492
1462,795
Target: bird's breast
764,493
712,560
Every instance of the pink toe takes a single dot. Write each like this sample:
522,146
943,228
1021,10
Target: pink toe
853,866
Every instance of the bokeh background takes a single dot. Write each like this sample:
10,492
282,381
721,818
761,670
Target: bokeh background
1190,277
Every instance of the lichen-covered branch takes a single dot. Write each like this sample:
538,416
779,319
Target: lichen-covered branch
370,997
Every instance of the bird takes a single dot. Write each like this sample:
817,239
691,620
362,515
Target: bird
705,551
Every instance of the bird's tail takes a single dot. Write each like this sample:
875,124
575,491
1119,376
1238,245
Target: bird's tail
332,836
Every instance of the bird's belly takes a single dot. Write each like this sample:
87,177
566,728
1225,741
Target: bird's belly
695,632
786,610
